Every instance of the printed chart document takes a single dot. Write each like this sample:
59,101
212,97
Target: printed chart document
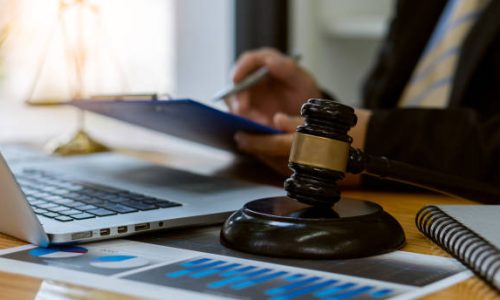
155,271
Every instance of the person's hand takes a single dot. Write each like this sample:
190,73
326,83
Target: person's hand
271,149
285,88
274,149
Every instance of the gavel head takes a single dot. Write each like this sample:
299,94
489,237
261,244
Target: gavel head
320,152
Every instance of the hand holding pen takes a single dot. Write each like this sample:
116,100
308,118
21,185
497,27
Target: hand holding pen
268,82
274,100
247,82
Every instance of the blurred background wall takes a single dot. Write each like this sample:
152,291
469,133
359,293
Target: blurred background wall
339,40
185,48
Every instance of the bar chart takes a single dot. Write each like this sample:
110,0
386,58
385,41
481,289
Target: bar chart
240,279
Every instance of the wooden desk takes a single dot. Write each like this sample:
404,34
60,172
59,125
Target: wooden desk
402,206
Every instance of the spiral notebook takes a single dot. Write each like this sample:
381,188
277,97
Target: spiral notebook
471,233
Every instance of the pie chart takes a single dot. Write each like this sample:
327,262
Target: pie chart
118,262
58,252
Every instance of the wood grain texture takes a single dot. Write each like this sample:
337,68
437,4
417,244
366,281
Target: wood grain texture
9,242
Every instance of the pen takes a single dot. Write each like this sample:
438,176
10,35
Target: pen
246,83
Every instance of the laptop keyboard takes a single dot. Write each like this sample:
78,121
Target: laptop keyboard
66,200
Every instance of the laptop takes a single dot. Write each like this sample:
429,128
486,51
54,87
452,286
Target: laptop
104,196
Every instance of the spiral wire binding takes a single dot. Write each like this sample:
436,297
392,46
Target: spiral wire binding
473,251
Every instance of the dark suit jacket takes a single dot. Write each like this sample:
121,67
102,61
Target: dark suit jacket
461,140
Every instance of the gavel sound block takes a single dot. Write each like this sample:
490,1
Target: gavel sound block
314,221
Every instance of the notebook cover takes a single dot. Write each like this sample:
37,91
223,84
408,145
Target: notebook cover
484,220
467,232
184,118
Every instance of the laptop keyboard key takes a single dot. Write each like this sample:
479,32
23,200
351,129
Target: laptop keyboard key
70,212
139,205
109,197
85,207
40,211
46,205
93,201
148,201
75,204
58,208
119,208
167,204
101,212
83,216
60,192
37,202
63,201
53,198
81,197
117,199
64,219
51,215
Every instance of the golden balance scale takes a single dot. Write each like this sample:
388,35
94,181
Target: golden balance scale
80,142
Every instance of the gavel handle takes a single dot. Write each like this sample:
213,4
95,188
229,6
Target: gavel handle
451,185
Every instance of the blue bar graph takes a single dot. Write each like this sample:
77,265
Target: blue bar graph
221,283
209,272
334,289
294,277
305,290
381,293
255,281
195,262
291,286
235,279
194,269
237,271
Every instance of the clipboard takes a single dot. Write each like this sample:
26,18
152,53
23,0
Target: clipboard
183,118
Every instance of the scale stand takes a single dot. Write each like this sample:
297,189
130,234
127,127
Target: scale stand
81,142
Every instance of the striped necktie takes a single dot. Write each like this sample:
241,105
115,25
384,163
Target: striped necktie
430,84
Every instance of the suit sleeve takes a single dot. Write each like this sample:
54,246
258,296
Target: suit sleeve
453,141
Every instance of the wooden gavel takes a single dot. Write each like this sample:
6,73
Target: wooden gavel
321,154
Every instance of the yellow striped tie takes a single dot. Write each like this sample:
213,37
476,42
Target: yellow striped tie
431,81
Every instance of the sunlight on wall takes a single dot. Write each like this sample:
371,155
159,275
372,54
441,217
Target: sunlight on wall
126,46
183,47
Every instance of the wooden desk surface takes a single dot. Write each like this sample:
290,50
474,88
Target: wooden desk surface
402,206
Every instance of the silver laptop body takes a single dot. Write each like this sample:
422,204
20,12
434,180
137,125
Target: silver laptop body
201,199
